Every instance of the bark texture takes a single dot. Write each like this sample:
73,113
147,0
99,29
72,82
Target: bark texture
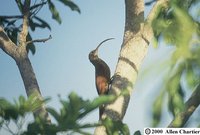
133,51
31,85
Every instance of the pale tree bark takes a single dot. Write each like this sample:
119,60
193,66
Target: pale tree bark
137,36
20,55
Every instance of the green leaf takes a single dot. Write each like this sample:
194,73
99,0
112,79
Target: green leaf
22,100
67,122
31,46
14,35
7,110
104,99
32,24
137,133
90,106
174,88
157,109
71,4
115,127
191,78
54,12
20,5
155,42
54,113
174,24
33,128
40,24
44,24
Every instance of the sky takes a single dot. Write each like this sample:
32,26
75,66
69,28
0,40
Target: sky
61,64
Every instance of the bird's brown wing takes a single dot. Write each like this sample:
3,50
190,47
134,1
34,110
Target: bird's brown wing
101,85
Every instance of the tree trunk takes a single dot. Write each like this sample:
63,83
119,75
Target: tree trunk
30,83
137,36
133,51
19,54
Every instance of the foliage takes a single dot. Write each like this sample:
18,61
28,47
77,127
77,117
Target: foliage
179,27
13,27
16,112
67,119
137,133
115,127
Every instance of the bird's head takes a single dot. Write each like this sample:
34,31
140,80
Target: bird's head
93,55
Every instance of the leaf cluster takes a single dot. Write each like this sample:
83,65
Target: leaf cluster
19,108
17,112
12,24
180,29
115,127
67,119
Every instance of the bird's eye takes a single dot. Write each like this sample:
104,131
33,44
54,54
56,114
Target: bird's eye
92,52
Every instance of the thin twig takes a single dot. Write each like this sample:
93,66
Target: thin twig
37,8
39,40
21,16
38,5
7,128
12,17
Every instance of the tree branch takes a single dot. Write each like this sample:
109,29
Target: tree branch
147,33
24,32
39,40
190,106
38,5
12,17
21,16
6,44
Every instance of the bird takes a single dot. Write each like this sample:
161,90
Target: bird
102,74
